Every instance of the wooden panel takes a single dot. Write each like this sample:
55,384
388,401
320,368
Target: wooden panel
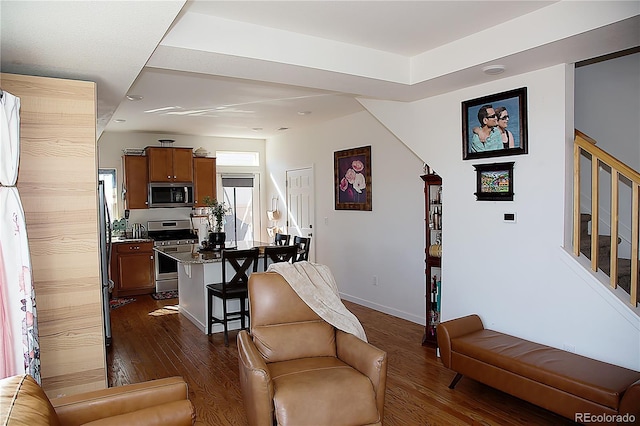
182,165
136,181
160,164
58,187
136,273
132,269
204,171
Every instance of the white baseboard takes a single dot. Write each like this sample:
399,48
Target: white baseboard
385,309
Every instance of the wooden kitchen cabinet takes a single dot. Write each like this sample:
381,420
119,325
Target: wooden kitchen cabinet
170,164
132,269
204,179
135,181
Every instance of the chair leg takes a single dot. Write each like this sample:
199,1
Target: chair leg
209,311
242,314
246,311
455,381
224,322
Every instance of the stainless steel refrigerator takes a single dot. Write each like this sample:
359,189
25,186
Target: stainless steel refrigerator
105,259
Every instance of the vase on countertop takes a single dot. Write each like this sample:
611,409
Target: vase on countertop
217,239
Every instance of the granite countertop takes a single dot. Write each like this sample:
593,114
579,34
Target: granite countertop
130,240
191,256
195,255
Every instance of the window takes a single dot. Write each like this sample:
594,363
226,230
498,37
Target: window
241,194
231,158
110,190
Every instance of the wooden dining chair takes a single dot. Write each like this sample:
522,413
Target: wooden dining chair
274,254
282,239
302,245
243,263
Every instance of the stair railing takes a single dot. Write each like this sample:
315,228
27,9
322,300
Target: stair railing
584,143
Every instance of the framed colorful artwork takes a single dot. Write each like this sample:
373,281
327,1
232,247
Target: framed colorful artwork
352,179
494,182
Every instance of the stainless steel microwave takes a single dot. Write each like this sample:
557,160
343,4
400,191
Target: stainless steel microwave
170,195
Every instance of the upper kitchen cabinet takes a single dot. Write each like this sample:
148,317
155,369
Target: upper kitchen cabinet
204,170
135,181
170,164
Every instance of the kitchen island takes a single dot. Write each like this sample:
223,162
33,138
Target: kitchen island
196,269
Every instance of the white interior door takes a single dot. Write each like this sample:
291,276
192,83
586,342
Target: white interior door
300,205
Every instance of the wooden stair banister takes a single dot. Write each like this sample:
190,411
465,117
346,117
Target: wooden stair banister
585,144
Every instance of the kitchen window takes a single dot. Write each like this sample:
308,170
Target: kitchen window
110,190
233,158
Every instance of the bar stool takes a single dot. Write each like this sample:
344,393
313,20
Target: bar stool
279,254
302,243
243,263
282,239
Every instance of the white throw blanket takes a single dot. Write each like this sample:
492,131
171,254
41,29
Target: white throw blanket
316,286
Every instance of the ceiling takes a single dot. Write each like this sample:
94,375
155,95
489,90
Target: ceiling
253,69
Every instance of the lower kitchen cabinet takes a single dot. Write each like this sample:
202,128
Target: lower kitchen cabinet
132,269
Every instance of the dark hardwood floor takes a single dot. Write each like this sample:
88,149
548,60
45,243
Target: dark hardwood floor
152,340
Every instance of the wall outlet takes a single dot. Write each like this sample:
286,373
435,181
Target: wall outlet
569,347
375,280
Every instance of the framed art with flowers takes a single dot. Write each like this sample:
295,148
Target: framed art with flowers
352,178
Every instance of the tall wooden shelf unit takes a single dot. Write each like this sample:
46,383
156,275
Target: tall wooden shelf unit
432,253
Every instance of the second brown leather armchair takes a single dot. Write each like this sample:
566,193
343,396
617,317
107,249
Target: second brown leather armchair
162,402
297,369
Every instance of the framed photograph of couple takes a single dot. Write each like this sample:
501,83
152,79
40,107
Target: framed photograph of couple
352,179
495,125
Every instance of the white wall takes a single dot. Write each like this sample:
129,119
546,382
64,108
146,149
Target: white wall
517,277
111,144
387,242
607,104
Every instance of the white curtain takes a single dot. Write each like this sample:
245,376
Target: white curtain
19,337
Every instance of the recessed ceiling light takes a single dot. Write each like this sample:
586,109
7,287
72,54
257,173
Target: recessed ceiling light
256,129
493,69
283,128
120,120
134,97
304,112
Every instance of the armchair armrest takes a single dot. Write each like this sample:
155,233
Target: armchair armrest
630,402
255,381
177,413
95,405
367,359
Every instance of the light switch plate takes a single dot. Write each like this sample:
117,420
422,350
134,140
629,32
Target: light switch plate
509,217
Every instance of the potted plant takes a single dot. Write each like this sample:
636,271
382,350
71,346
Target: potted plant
215,218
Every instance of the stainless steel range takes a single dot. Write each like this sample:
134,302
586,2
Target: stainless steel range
171,236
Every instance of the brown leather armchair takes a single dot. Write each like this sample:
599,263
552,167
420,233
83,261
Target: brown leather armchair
156,402
297,369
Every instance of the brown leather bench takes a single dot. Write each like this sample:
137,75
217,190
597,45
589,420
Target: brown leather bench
579,388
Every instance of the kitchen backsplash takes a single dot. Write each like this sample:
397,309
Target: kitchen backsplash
144,215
